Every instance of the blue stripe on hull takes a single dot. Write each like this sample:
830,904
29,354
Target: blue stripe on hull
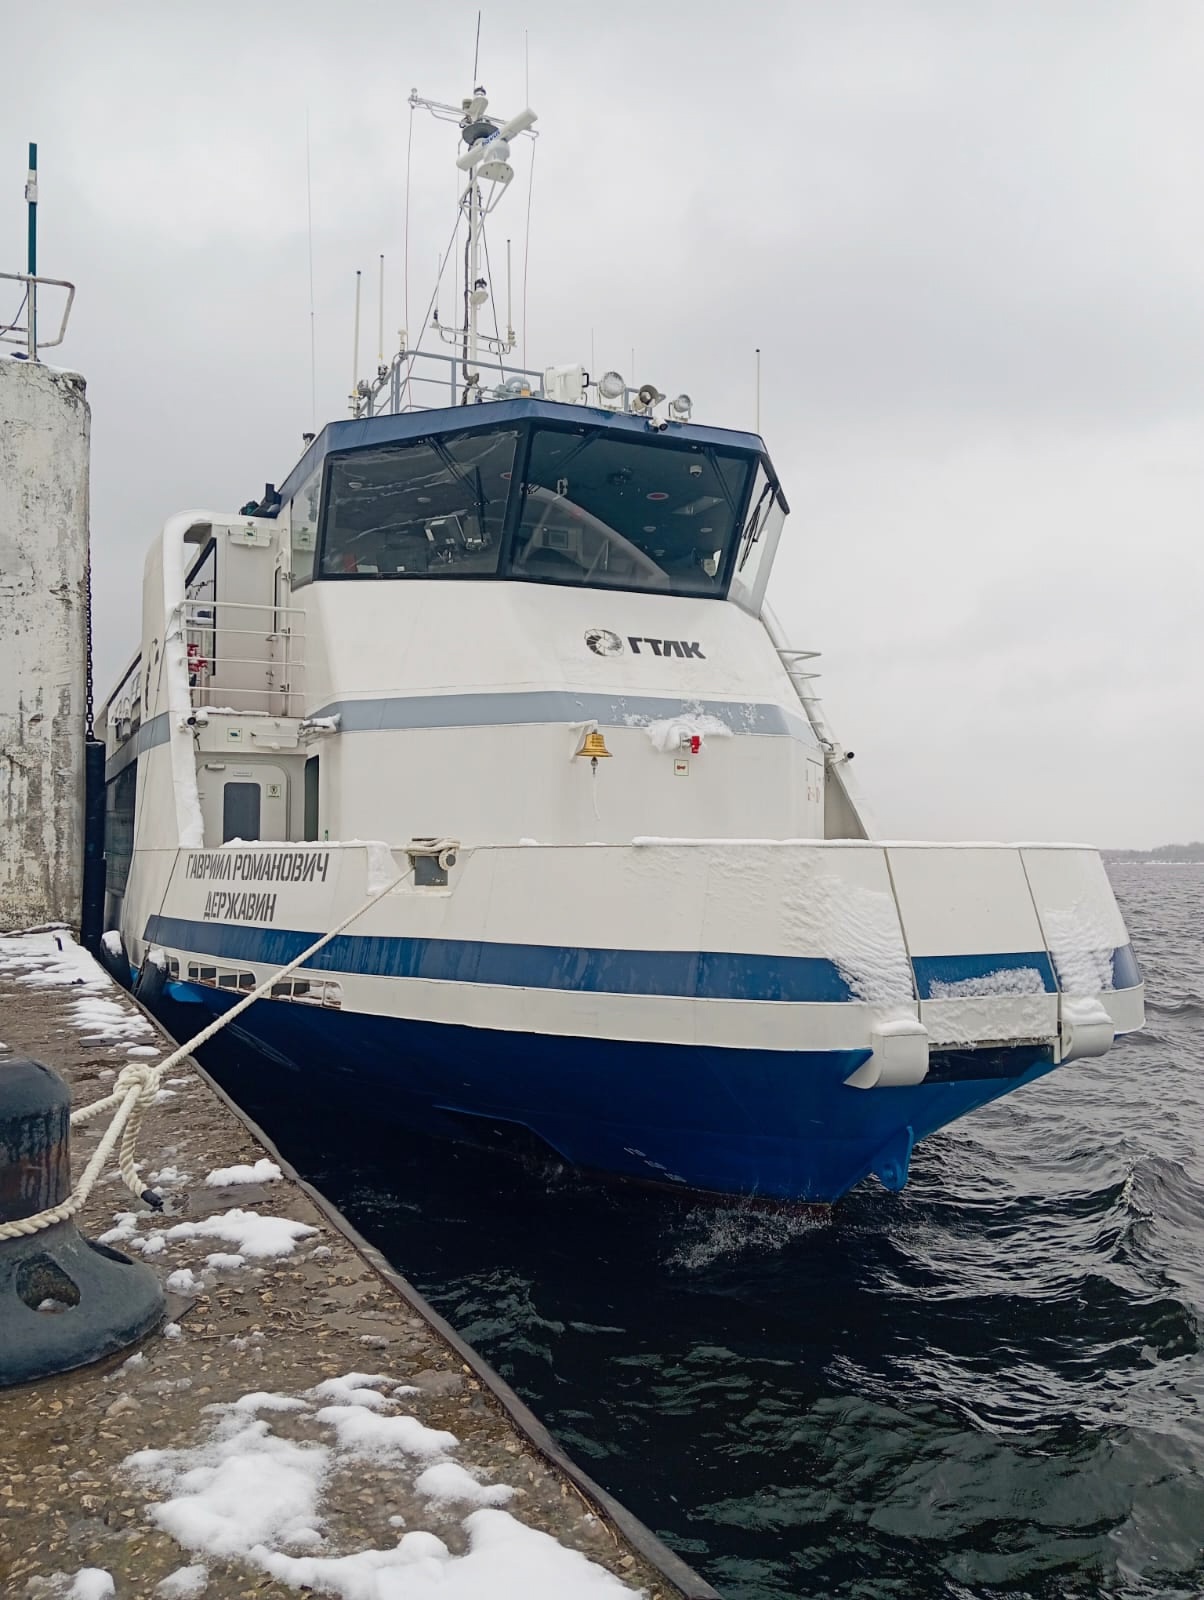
738,1122
931,970
1126,974
685,974
711,975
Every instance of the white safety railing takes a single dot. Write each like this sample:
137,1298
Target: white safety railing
426,380
851,817
248,657
800,677
23,329
423,380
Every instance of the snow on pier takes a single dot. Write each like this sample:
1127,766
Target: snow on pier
300,1423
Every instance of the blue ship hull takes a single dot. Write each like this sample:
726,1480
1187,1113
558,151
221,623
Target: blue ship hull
778,1125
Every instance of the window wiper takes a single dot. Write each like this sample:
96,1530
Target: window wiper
475,485
755,524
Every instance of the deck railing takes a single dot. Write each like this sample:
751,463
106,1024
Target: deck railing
23,329
245,657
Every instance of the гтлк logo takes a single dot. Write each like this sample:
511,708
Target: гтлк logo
603,643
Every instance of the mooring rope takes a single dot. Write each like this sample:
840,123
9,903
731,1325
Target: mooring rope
137,1085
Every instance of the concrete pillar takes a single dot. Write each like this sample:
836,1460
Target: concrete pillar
44,437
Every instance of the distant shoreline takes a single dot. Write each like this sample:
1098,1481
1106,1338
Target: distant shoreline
1165,855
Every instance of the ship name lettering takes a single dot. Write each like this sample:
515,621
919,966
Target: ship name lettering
223,906
259,866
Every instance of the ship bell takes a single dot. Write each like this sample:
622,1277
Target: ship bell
593,746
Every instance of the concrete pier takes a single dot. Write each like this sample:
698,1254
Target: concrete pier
304,1420
44,442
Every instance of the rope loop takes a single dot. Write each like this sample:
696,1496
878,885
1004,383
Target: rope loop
137,1084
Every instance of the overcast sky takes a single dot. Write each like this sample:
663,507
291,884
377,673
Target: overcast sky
968,238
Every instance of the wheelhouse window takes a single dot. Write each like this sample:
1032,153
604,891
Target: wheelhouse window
758,543
610,510
589,505
432,509
303,521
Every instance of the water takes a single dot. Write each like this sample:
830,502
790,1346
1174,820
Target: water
990,1385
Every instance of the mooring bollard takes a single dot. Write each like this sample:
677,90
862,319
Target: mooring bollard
65,1301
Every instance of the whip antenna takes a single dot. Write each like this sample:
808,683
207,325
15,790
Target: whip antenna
355,352
313,343
509,300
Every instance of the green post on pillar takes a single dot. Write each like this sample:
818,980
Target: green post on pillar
31,197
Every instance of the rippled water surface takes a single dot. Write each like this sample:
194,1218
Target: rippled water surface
989,1385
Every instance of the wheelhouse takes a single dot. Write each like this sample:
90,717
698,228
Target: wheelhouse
537,492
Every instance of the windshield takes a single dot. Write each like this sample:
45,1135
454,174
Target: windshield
429,509
587,505
613,511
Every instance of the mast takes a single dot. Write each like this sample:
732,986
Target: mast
472,273
485,162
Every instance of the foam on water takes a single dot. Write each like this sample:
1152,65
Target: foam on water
709,1233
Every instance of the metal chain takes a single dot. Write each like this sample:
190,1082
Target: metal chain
89,729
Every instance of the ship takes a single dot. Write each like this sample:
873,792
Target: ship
487,697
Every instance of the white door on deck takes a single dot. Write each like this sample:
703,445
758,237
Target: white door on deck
243,802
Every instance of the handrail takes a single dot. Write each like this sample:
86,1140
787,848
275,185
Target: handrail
836,757
201,626
391,390
208,632
790,659
247,605
28,334
201,696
